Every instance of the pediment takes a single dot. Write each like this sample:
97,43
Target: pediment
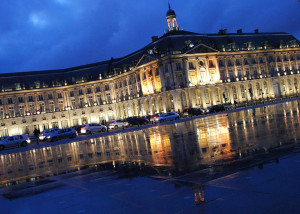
145,59
201,48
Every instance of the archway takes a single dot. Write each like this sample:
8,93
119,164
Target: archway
183,100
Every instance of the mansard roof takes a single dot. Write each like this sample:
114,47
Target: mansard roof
172,43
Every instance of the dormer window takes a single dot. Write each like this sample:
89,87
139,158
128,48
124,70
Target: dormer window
18,86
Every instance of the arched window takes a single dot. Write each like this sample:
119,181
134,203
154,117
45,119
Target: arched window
206,96
171,101
290,84
282,84
266,87
296,83
197,97
183,100
234,92
243,91
258,90
217,95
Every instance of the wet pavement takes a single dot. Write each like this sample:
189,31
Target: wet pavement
240,162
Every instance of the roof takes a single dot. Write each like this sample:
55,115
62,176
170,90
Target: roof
173,42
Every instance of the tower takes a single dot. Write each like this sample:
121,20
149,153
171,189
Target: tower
171,20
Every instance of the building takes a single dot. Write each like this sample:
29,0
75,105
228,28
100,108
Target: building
177,70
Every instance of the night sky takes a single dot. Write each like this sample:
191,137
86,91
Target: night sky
54,34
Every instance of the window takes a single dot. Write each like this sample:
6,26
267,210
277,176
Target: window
30,98
21,110
0,102
246,61
258,89
125,83
290,84
144,76
11,111
211,64
98,89
10,101
71,93
108,98
271,59
253,61
42,107
221,63
50,97
106,87
278,59
81,103
229,63
73,104
116,86
88,90
178,66
51,105
166,69
266,87
238,62
80,92
234,92
31,108
191,66
99,100
157,73
41,97
206,96
261,60
61,105
120,84
91,100
59,95
21,99
243,91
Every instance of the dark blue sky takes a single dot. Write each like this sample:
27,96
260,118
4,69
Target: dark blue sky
53,34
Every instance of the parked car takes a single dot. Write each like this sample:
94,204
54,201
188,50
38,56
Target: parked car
46,133
216,108
62,134
14,141
77,128
168,117
193,112
153,117
117,123
136,121
92,127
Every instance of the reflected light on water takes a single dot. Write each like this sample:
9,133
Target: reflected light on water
182,147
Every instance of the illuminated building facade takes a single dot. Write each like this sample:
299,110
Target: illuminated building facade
181,69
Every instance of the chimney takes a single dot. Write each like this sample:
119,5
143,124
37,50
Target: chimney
256,31
221,32
225,31
154,38
239,31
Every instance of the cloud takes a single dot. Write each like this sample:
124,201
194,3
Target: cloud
53,34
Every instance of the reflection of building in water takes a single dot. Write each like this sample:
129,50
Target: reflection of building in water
182,146
268,128
160,147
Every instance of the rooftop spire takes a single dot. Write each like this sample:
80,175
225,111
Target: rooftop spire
171,19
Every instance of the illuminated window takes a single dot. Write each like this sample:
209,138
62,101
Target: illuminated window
91,100
266,87
243,91
206,96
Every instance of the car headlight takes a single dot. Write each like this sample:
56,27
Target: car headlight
48,137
